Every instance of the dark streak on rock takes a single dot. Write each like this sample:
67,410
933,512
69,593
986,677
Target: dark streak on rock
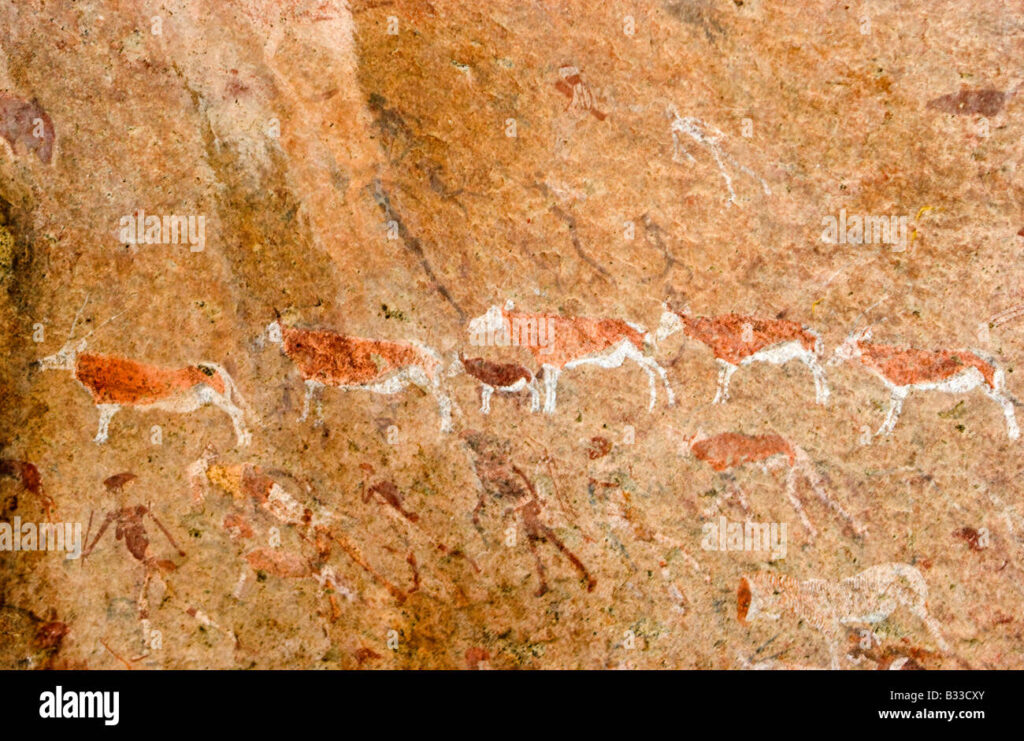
570,221
262,211
987,102
656,236
18,125
413,245
698,13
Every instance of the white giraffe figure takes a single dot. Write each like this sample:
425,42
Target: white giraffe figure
906,369
561,343
738,341
115,382
868,597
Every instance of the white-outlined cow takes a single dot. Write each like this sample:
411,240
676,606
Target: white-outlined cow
115,382
737,340
868,597
906,369
327,358
572,342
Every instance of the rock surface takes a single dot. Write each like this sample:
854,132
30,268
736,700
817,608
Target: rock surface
190,186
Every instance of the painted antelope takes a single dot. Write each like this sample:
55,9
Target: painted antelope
328,358
868,597
561,343
738,340
906,369
730,450
509,378
115,382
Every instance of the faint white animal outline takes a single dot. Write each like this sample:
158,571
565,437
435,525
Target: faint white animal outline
869,597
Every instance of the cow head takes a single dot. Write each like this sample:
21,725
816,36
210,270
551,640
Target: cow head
273,333
65,358
758,598
671,322
849,349
491,324
688,441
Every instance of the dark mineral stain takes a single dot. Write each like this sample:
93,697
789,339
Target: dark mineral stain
987,102
699,13
599,447
970,536
412,244
25,122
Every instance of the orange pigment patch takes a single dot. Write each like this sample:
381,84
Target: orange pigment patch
114,380
335,359
743,599
906,366
575,337
278,563
725,334
237,525
731,449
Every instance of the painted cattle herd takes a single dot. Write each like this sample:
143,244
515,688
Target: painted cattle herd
326,358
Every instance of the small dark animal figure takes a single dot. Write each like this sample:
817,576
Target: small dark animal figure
509,378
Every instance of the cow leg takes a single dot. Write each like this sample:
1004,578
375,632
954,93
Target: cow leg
550,388
534,395
899,393
832,634
821,392
815,482
240,585
485,398
313,389
791,481
725,371
418,376
107,412
242,433
931,623
1011,418
651,367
